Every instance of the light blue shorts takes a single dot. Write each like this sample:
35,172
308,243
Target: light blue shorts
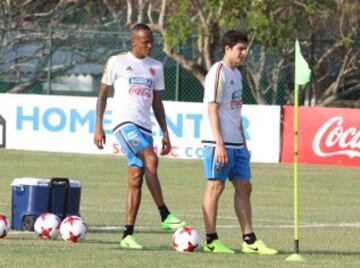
237,167
133,139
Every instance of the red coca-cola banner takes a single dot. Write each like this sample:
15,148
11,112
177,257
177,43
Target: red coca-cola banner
326,136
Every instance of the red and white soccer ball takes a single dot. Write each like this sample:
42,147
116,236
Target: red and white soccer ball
186,239
47,226
73,229
4,226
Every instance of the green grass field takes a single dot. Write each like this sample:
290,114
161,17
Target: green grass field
329,214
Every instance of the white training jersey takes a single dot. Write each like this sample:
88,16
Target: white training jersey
224,86
134,81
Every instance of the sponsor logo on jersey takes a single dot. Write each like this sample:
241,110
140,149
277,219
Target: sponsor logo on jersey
140,91
141,81
236,101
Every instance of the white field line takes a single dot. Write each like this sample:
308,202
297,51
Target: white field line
194,216
156,228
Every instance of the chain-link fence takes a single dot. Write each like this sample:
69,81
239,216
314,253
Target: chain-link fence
60,62
63,62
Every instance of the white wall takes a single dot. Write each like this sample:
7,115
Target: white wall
66,124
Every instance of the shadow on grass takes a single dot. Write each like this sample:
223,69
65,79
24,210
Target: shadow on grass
198,251
160,248
23,238
331,253
146,249
98,241
323,252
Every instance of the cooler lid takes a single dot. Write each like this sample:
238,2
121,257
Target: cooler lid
39,182
30,181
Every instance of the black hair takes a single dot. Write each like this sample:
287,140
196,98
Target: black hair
140,27
231,38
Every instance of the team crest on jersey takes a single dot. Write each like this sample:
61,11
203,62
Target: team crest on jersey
129,68
232,82
135,142
152,71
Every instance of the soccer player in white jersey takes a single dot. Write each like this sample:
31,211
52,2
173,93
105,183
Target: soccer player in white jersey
225,153
138,81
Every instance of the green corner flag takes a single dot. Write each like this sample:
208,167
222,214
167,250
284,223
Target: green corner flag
302,77
302,70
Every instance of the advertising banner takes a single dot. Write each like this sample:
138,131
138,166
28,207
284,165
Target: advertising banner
66,124
326,135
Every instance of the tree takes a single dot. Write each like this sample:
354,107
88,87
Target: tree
274,25
328,31
336,64
30,49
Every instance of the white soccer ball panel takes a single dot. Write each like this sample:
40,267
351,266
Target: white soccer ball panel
73,229
4,226
47,226
186,239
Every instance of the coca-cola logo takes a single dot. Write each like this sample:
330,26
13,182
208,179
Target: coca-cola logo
140,91
333,139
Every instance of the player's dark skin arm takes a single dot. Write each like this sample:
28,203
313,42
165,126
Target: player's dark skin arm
99,135
159,112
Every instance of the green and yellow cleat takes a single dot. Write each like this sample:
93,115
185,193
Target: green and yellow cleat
130,242
172,223
217,247
258,247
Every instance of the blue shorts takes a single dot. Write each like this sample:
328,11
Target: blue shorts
237,167
133,139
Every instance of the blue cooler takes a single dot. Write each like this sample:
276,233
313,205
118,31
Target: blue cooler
34,196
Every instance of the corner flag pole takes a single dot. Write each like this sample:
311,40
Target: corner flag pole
296,182
302,76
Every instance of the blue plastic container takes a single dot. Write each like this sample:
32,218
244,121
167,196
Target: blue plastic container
34,196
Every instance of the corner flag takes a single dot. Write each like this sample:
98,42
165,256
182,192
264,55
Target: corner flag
302,77
302,70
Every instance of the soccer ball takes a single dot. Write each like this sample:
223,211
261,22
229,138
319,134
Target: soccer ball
73,229
186,239
47,226
4,226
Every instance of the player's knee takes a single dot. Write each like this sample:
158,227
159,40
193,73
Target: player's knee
244,189
248,190
151,160
135,180
215,188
